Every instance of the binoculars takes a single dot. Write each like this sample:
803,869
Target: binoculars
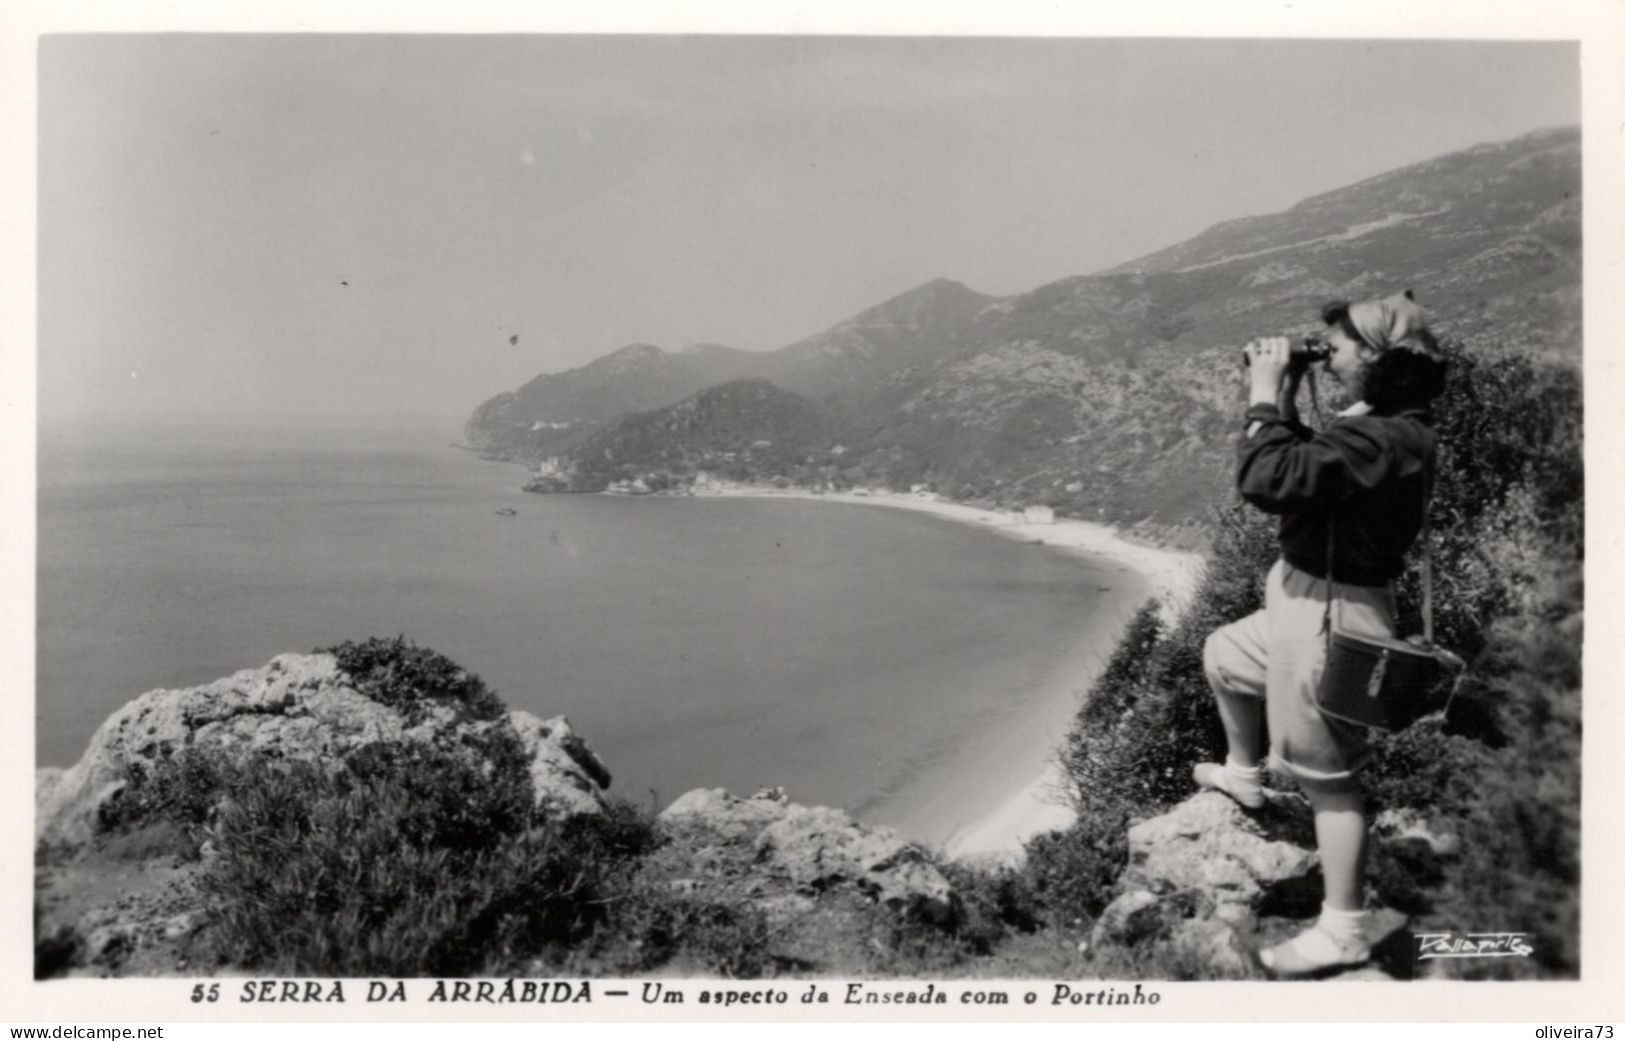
1307,350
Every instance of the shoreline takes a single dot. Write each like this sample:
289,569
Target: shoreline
1033,805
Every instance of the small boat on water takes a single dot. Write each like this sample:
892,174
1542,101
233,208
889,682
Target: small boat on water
507,511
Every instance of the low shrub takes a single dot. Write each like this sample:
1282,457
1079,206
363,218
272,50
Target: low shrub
411,861
1421,768
1073,873
1125,672
898,948
993,901
649,926
173,798
399,673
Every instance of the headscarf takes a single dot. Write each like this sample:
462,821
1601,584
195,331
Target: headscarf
1391,321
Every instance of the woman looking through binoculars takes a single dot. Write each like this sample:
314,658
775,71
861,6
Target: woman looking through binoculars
1369,473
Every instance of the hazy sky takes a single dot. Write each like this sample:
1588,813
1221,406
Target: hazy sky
205,199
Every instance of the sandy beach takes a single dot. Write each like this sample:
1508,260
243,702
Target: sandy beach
1030,775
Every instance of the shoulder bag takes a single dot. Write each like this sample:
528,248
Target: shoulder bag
1383,682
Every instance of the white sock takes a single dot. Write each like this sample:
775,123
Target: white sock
1345,926
1246,774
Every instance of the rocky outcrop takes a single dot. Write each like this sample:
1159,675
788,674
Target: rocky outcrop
1210,884
1207,842
728,817
1199,876
566,773
817,848
298,707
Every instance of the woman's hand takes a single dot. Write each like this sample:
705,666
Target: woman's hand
1268,362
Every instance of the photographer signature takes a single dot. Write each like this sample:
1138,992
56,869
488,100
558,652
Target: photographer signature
1472,945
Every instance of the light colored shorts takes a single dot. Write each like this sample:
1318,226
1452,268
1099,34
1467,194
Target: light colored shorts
1279,653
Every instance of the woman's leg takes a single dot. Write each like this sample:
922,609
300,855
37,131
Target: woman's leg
1243,719
1340,832
1337,939
1234,659
1324,756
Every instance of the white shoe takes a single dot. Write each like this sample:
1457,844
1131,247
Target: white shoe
1217,776
1313,952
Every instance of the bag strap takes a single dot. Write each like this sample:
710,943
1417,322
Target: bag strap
1331,545
1331,520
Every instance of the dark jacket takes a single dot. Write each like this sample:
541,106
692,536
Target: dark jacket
1371,474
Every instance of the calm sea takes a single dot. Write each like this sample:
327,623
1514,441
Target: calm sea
845,652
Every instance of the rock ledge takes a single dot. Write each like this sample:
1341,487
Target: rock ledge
299,707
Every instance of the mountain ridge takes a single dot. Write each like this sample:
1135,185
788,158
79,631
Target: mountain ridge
1112,395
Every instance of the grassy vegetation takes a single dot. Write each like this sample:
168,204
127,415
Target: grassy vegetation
650,926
